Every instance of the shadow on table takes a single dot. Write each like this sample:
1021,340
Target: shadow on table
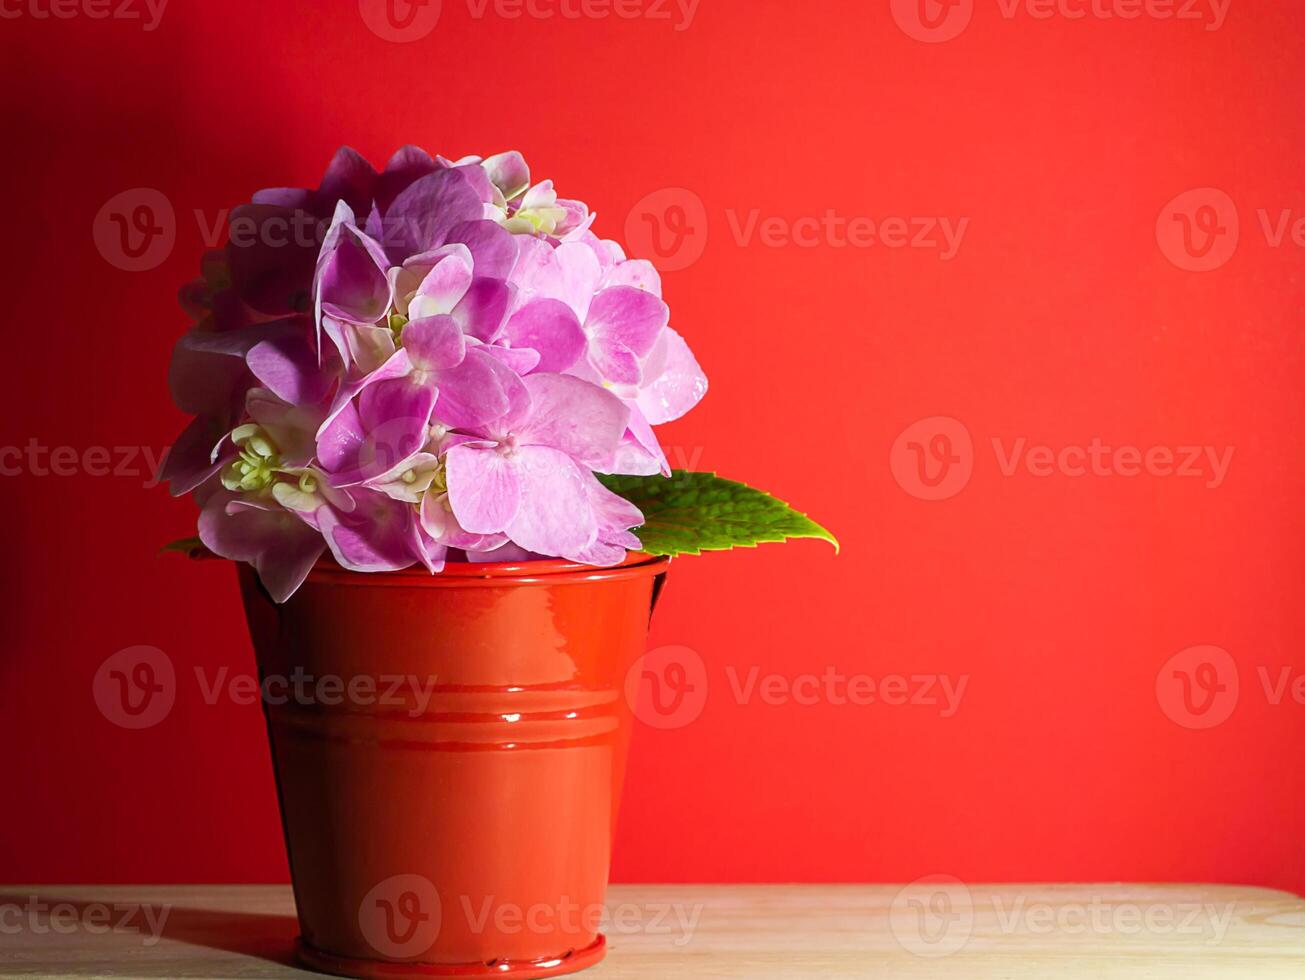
61,936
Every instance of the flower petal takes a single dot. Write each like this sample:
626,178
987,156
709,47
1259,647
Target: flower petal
555,517
633,318
484,488
493,249
434,343
477,391
509,173
573,416
550,327
483,309
679,385
351,282
424,212
443,287
377,537
281,547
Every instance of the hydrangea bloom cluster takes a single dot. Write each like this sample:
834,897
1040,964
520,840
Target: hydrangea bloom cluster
424,364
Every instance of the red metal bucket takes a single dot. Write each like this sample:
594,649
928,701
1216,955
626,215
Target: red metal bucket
449,752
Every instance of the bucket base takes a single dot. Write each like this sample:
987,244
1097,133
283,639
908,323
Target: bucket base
556,966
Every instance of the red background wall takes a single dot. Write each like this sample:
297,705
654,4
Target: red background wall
1062,316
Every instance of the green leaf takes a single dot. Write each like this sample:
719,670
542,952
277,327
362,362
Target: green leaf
190,547
689,513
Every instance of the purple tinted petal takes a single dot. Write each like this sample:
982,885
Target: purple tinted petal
340,438
291,369
272,253
633,318
493,248
484,488
482,310
394,416
191,458
577,221
352,284
443,286
477,391
471,169
520,360
408,165
397,366
507,553
555,517
281,547
428,551
434,343
292,427
423,213
205,383
349,178
574,416
377,537
550,327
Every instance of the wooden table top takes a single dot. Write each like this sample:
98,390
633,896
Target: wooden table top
935,929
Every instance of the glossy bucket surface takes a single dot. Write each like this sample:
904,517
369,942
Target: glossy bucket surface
449,752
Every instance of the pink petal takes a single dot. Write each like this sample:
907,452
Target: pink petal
482,310
409,164
574,416
484,488
630,317
350,178
423,213
678,386
290,368
509,173
281,547
351,282
443,287
520,360
550,327
555,517
377,537
477,391
493,248
639,453
439,522
434,343
615,362
639,273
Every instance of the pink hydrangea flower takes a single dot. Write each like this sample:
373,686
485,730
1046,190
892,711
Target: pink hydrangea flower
427,363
